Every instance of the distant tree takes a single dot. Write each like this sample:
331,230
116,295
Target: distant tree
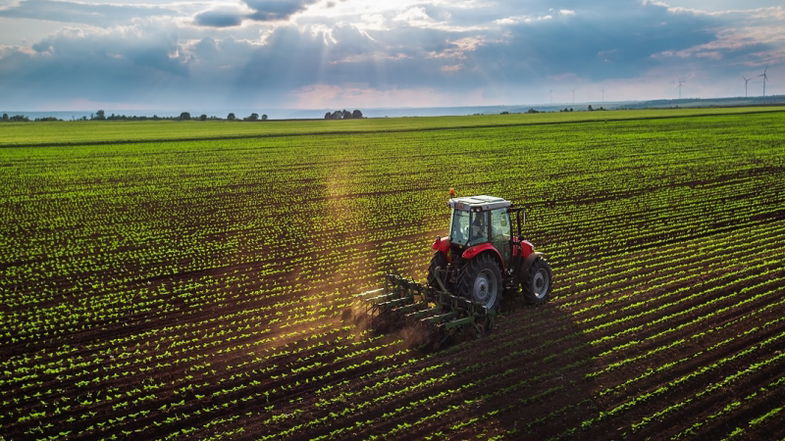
357,114
337,115
19,118
5,117
504,113
346,114
203,117
231,117
532,110
185,116
100,115
252,117
264,117
328,115
590,108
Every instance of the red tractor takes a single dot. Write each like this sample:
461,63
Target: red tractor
484,256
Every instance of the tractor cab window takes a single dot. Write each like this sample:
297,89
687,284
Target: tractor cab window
502,234
469,228
479,229
500,224
459,229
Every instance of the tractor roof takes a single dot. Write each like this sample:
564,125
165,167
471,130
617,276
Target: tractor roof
478,203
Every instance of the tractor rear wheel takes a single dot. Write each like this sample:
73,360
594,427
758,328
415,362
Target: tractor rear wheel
438,261
481,281
537,283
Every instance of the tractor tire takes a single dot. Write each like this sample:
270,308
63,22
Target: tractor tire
481,281
439,260
538,282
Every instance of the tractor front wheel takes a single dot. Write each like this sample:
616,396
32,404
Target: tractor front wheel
537,283
481,281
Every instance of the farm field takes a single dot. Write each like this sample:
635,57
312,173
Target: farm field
90,132
182,288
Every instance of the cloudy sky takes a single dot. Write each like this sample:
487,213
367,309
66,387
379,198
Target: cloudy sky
170,54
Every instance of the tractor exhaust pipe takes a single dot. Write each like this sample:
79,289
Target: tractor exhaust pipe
518,220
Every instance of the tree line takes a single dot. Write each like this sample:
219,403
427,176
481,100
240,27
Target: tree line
22,118
343,114
184,116
101,115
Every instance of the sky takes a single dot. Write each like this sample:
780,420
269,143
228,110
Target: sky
316,54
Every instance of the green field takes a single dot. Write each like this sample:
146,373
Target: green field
187,280
75,132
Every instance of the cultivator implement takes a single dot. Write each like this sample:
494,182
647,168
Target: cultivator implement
436,316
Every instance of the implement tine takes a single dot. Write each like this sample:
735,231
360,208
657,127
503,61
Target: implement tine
423,313
408,308
369,293
436,319
383,298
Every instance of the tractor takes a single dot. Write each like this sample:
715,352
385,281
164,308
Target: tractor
483,256
482,259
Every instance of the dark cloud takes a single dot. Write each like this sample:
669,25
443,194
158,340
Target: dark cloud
92,67
597,44
270,10
262,10
219,18
93,14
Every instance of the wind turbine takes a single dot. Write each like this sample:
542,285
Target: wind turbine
681,83
746,81
764,78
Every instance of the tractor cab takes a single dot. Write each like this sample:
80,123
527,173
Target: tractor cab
481,219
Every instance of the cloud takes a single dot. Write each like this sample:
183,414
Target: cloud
71,65
606,42
220,18
528,19
271,10
459,49
255,10
306,52
432,17
451,67
743,38
87,13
